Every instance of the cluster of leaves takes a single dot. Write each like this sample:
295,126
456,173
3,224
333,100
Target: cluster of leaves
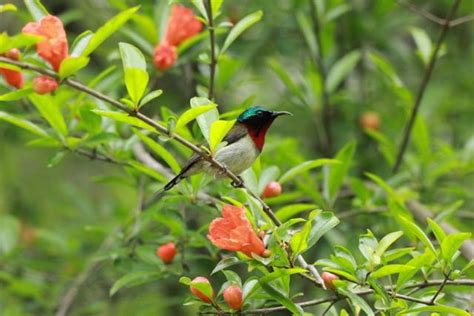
74,121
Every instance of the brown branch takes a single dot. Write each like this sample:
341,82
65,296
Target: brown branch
326,142
204,155
96,156
461,20
213,64
423,85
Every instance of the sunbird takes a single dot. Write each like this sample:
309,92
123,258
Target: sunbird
244,143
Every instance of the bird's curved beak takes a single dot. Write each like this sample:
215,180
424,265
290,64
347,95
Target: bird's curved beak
278,113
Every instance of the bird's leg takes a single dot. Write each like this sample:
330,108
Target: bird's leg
239,184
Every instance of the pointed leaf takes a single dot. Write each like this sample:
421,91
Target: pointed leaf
192,114
240,27
71,65
218,131
341,69
305,166
37,10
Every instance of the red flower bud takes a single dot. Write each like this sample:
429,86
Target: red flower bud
164,56
166,252
12,77
13,54
44,84
233,296
328,279
370,120
272,189
198,293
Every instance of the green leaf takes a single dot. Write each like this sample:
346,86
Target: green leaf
109,28
418,232
37,10
307,29
338,172
80,43
205,120
125,118
216,6
16,94
56,159
18,41
160,151
437,230
240,27
71,65
390,269
285,77
218,131
423,44
9,233
451,244
134,278
321,224
385,67
423,260
225,263
447,310
341,69
134,66
150,97
148,171
385,242
192,114
51,111
185,280
7,7
292,210
304,167
356,300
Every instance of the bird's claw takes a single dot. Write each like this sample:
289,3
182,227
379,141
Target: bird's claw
239,184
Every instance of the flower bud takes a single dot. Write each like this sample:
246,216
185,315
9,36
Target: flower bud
44,84
328,279
13,54
164,56
233,296
266,253
272,189
200,294
370,120
166,252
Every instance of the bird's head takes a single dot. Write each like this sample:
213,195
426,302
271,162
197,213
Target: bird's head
257,120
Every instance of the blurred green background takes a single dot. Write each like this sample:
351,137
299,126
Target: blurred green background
63,213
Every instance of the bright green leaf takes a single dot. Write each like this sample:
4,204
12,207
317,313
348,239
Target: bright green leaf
205,120
16,94
71,65
240,27
437,230
304,167
134,65
446,310
36,8
418,232
451,244
150,97
385,242
390,269
51,111
192,114
7,7
218,131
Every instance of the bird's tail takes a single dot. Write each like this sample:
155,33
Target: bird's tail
172,182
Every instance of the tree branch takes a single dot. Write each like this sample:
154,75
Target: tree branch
204,155
212,66
423,85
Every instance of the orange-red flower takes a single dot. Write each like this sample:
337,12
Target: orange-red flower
164,56
44,84
12,77
54,47
182,24
234,232
233,296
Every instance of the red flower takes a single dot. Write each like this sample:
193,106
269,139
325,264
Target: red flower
166,252
233,296
182,25
328,279
44,84
164,56
12,77
54,47
200,294
272,189
234,232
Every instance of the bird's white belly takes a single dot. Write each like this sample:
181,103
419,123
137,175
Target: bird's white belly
239,156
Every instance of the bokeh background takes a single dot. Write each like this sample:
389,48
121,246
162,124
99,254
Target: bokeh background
63,213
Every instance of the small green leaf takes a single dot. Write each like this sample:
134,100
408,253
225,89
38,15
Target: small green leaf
423,44
321,224
446,310
37,10
71,65
185,280
423,260
18,41
56,159
437,230
125,118
218,131
134,65
385,242
418,232
192,114
150,97
304,167
206,119
341,69
240,27
338,172
356,300
16,94
51,111
134,278
292,210
80,43
451,244
109,28
225,263
160,151
390,269
385,67
7,7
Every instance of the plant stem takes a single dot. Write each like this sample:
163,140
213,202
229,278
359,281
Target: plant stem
212,66
326,142
237,181
423,85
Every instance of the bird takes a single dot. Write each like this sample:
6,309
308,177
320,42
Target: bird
243,144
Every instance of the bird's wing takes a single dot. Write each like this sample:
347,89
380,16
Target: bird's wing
236,132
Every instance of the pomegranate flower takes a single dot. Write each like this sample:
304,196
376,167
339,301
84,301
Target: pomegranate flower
12,77
182,25
235,233
164,56
44,84
54,47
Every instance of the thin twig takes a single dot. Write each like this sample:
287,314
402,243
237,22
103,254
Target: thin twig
435,296
427,15
212,65
461,20
237,181
319,59
423,85
100,157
